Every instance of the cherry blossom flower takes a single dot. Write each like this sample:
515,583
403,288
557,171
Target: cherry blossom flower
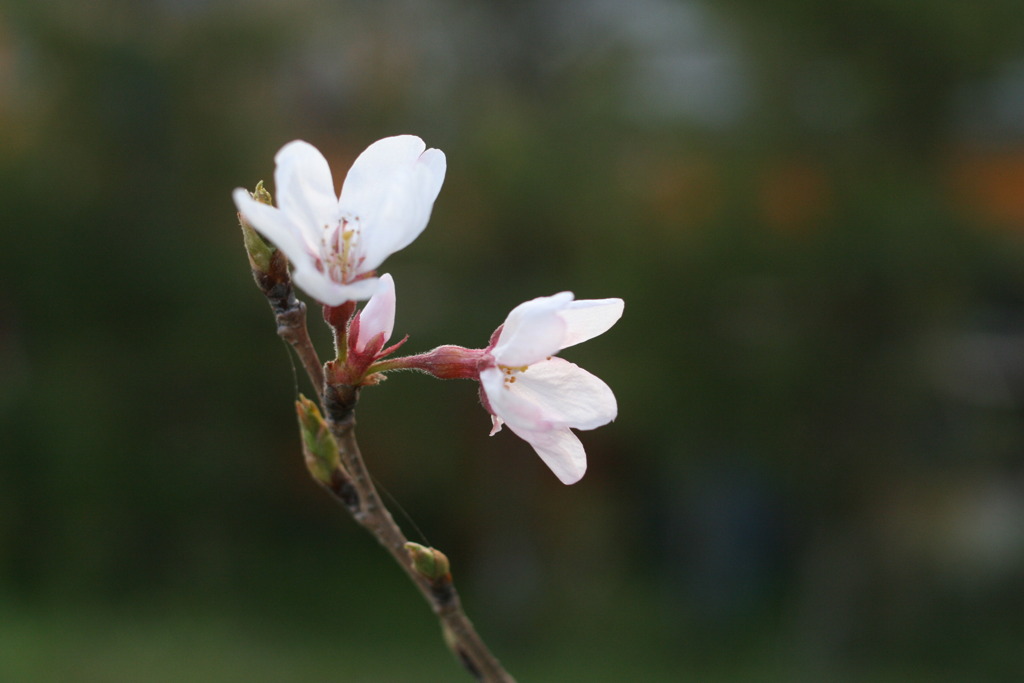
523,385
539,396
336,243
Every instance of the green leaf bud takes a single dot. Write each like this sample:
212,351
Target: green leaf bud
260,252
430,562
318,444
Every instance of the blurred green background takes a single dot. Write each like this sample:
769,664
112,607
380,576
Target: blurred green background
814,212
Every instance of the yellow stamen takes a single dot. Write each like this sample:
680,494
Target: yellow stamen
511,371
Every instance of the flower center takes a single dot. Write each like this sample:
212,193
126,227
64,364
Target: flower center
510,372
340,257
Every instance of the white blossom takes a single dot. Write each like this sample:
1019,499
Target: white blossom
336,243
542,397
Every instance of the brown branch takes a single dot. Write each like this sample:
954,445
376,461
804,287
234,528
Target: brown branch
291,326
353,486
290,314
344,473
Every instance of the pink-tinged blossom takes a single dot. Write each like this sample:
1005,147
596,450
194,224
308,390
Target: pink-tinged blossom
539,396
336,243
376,321
364,337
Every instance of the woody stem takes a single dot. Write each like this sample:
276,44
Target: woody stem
290,313
361,498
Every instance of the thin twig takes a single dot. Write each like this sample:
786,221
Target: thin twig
347,478
290,313
369,510
291,326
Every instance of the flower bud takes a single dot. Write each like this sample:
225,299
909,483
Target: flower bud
359,337
262,194
376,321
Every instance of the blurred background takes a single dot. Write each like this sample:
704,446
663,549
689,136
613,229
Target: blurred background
814,212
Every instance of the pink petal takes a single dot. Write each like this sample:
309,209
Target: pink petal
379,313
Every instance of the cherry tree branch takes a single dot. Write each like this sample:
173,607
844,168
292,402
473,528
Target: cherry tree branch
351,484
290,314
337,464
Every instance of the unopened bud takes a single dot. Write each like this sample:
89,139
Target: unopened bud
318,444
260,252
430,562
262,194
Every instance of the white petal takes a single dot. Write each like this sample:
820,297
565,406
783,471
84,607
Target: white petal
587,318
273,225
391,189
379,161
327,291
508,407
565,394
379,313
533,331
305,189
434,166
560,450
557,446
